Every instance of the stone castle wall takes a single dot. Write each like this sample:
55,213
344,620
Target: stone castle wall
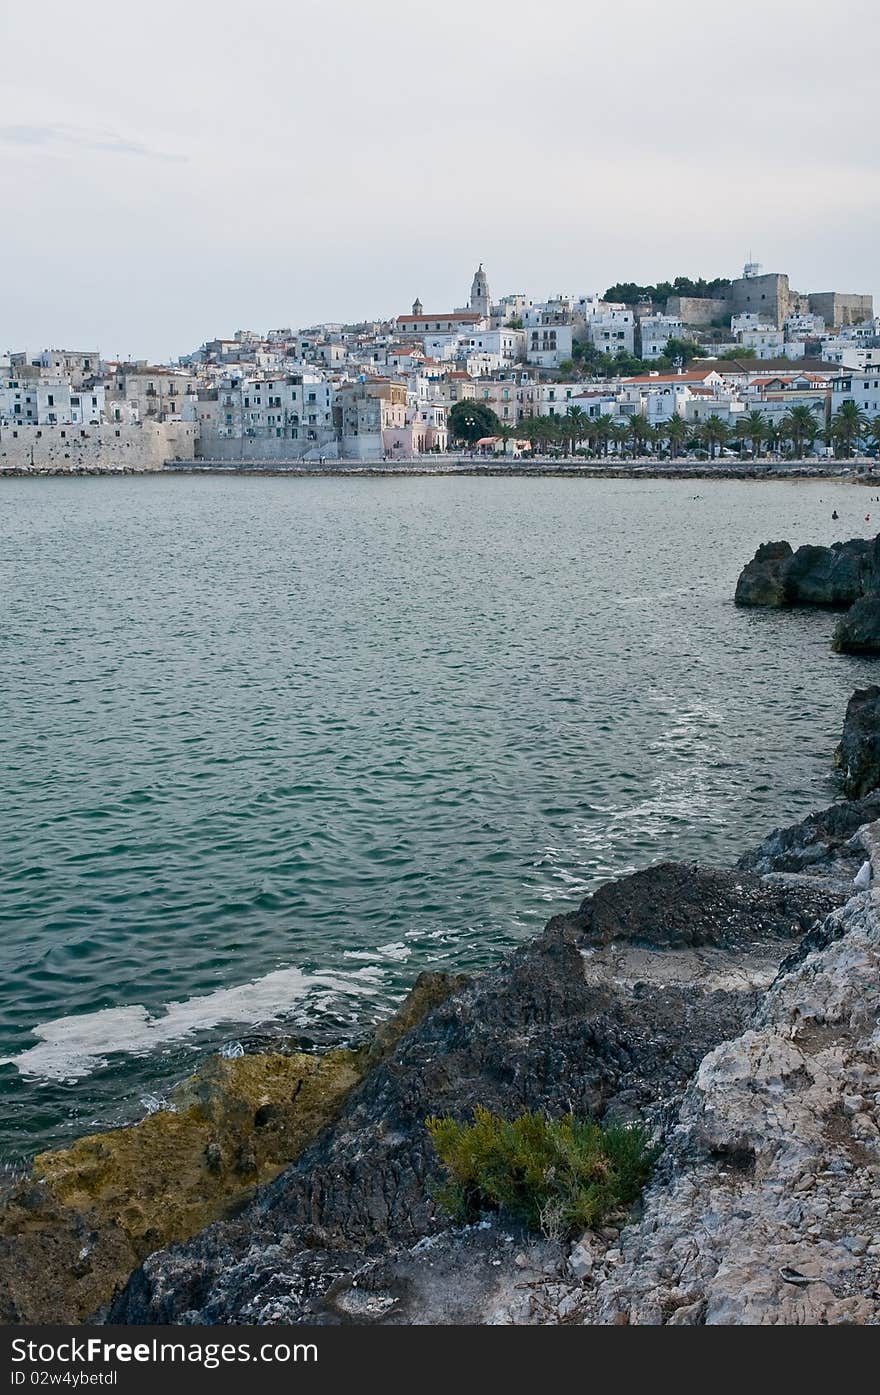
839,308
234,450
693,310
111,446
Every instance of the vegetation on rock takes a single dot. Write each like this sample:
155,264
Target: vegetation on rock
556,1175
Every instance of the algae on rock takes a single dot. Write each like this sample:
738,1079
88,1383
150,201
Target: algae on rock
72,1232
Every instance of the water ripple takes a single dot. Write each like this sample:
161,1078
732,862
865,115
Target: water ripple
270,747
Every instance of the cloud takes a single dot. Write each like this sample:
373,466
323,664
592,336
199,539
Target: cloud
83,138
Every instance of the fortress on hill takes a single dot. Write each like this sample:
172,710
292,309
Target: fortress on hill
769,295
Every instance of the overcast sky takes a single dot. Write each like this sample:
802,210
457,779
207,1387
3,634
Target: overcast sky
170,172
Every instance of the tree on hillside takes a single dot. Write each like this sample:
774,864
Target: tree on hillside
469,421
630,293
685,349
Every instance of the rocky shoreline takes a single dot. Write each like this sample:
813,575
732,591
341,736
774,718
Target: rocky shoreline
857,471
733,1013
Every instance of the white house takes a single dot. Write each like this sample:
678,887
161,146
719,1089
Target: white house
49,402
612,329
549,337
655,332
861,388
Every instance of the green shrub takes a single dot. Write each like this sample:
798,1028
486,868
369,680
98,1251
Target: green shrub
558,1175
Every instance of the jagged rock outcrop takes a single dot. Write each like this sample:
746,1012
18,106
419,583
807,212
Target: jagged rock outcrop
764,1208
826,845
835,576
858,632
762,581
610,1011
858,754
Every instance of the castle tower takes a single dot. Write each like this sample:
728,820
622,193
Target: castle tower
417,306
480,292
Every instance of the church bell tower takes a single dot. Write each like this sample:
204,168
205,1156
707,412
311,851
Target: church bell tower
480,292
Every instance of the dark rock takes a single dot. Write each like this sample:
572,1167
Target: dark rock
431,988
835,576
830,576
818,847
611,1009
858,755
858,632
761,580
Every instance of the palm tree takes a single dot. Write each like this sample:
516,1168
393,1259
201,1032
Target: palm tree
619,435
874,432
640,432
576,421
507,433
601,430
799,426
530,428
714,432
754,430
773,435
676,432
847,425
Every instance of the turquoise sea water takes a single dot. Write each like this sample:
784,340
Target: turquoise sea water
268,747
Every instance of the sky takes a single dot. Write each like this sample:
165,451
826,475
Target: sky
173,172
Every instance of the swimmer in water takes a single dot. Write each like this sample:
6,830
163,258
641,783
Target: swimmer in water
835,514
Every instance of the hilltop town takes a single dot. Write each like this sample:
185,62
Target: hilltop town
696,367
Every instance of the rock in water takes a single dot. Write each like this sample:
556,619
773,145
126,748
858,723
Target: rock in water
761,581
858,632
835,576
858,755
831,576
72,1232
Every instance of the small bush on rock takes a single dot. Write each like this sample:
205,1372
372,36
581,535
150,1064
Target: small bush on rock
532,1167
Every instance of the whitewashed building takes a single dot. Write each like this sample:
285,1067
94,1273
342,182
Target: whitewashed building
612,329
655,332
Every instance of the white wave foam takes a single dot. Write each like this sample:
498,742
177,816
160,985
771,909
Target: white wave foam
70,1047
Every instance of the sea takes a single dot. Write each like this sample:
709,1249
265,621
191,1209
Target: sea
270,746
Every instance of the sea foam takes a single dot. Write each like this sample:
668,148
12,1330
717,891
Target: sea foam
70,1047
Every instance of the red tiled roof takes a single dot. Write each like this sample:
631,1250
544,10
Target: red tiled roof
690,375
